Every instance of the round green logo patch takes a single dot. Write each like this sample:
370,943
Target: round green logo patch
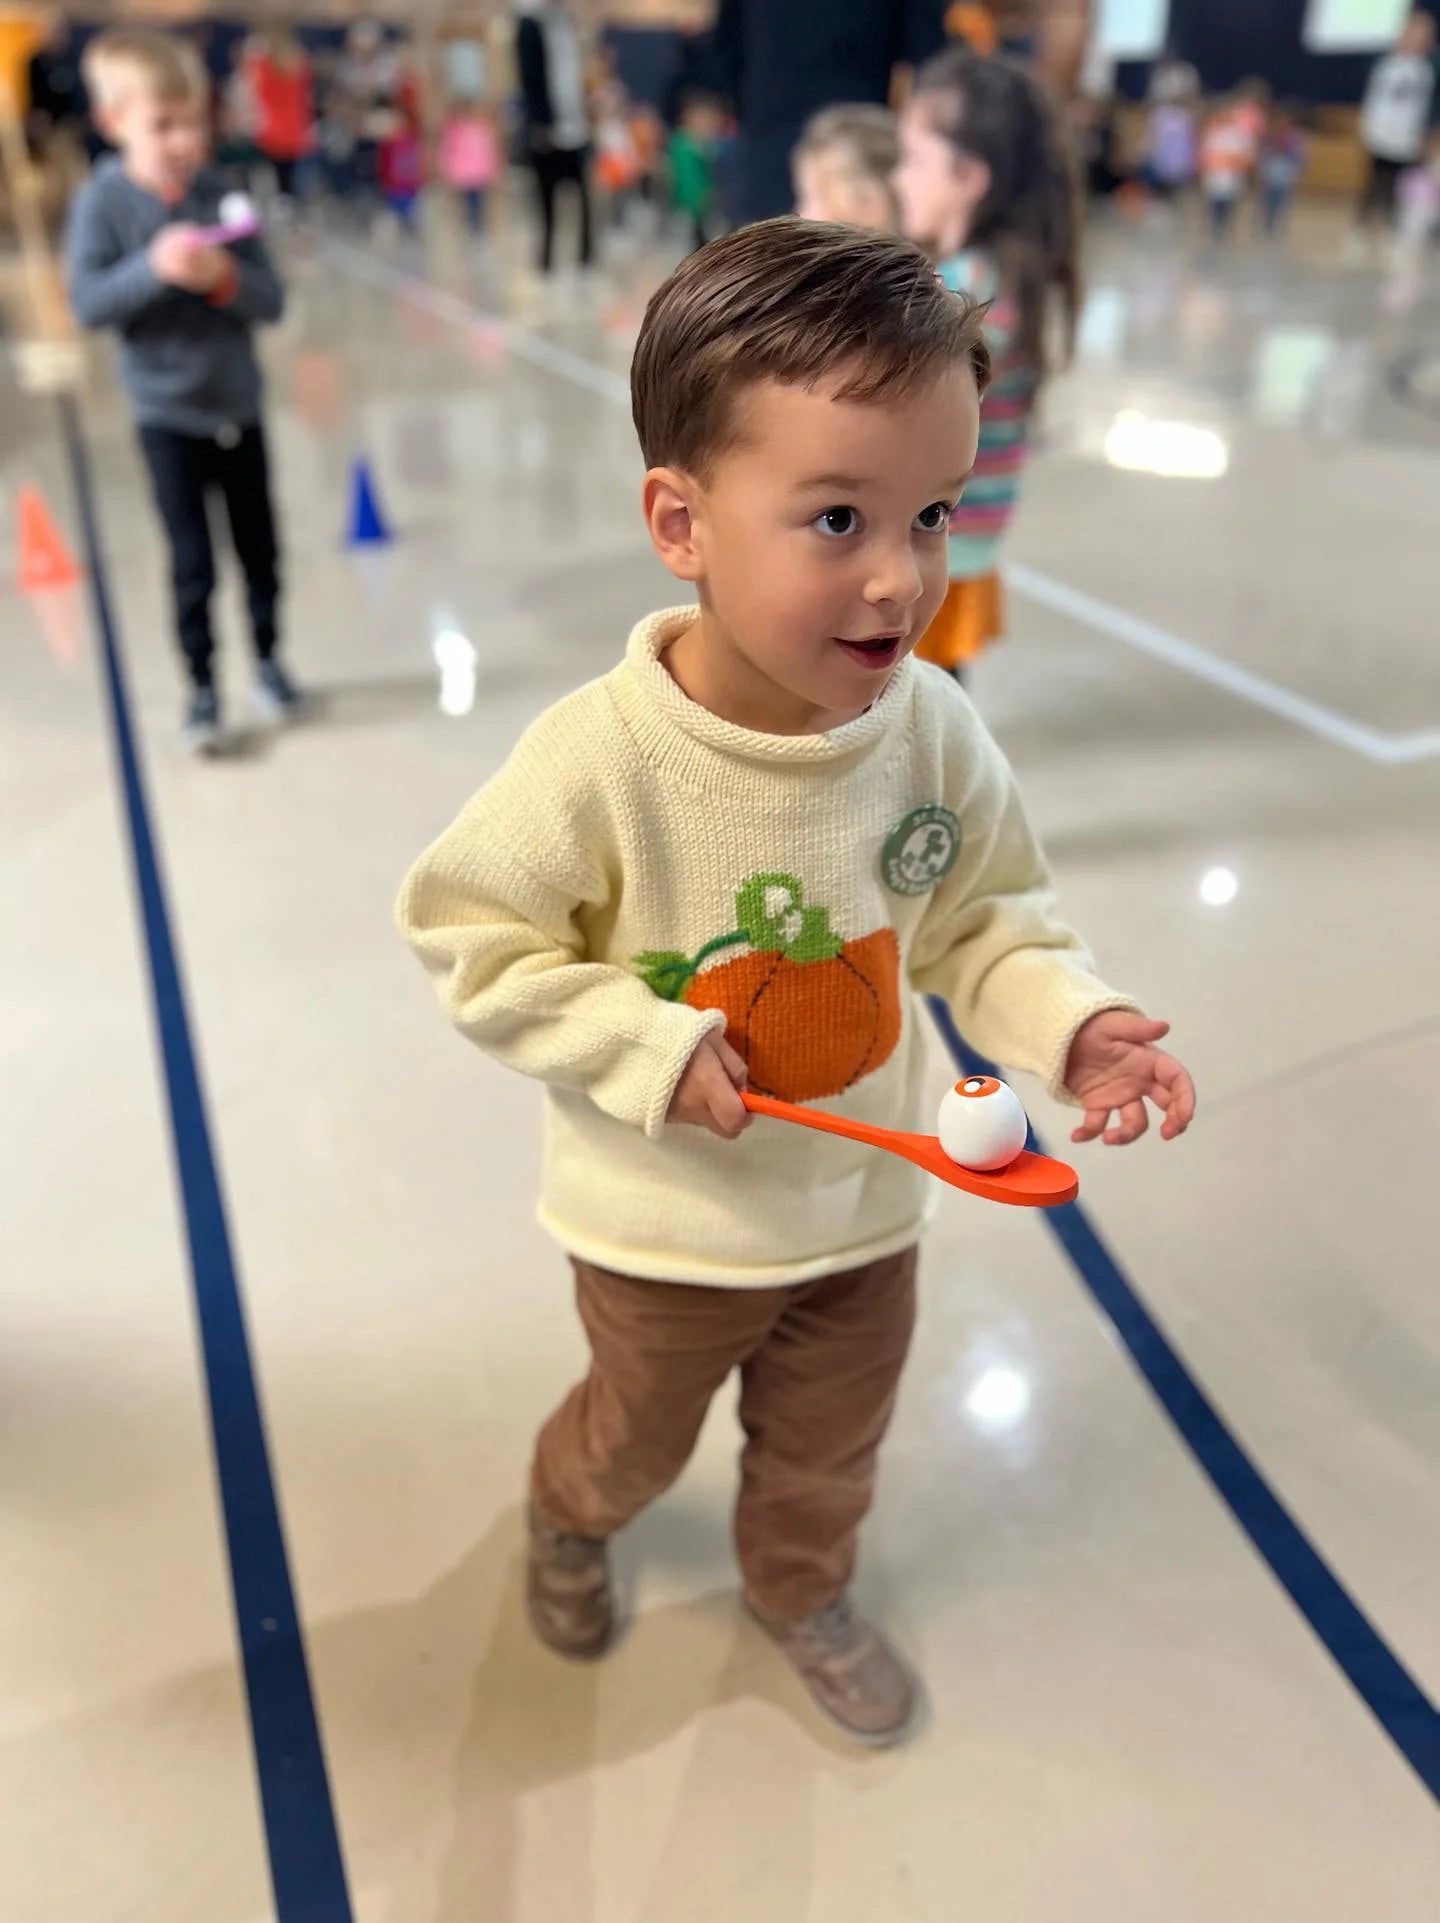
920,852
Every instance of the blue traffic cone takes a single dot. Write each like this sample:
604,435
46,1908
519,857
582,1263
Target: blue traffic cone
368,527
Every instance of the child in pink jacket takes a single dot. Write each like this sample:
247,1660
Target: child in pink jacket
470,159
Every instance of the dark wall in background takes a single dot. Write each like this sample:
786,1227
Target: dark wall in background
646,59
1231,40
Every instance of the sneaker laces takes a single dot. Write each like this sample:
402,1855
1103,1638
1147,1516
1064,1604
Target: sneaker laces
573,1556
835,1640
834,1623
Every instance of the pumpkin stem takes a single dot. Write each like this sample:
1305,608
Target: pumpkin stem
669,973
665,972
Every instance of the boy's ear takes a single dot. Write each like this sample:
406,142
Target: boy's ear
672,500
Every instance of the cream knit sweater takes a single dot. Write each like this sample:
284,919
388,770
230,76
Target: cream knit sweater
640,873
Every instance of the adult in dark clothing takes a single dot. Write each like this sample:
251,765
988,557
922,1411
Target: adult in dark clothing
694,72
58,109
782,60
557,120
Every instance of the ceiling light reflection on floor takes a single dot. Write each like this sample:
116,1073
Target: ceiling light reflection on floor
1104,318
455,658
1177,450
998,1398
1289,366
1219,886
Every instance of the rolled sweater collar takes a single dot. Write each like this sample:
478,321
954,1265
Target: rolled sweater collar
711,753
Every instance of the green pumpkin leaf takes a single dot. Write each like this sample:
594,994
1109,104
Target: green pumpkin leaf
666,972
817,940
774,919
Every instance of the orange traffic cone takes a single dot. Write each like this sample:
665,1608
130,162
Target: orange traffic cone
45,561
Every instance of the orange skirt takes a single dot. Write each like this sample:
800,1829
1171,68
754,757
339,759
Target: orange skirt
615,172
971,616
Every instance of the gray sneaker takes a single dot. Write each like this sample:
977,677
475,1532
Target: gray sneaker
274,694
200,730
850,1670
567,1591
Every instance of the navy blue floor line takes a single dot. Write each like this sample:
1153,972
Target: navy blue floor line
306,1868
1386,1687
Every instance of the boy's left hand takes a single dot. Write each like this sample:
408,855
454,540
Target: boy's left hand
1115,1065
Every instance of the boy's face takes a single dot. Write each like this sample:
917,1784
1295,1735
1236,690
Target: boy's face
819,547
703,121
827,187
164,142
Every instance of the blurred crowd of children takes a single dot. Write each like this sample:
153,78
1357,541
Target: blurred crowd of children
348,128
1227,150
1247,148
644,166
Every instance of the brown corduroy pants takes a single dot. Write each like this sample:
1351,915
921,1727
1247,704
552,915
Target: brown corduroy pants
819,1368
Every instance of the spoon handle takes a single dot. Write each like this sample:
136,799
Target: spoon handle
853,1131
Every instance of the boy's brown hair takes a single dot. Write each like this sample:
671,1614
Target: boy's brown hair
128,59
791,301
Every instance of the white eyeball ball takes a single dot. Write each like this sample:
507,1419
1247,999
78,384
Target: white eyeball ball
981,1124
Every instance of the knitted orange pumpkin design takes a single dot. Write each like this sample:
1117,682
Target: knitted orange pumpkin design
809,1014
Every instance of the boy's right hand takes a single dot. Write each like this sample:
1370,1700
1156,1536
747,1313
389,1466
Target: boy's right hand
708,1093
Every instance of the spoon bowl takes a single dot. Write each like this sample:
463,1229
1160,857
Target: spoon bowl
1030,1181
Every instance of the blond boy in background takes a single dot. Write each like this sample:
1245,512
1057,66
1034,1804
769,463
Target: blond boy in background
139,262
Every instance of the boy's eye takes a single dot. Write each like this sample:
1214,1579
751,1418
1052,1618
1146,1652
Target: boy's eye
933,519
837,521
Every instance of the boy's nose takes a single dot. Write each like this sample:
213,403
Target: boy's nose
894,577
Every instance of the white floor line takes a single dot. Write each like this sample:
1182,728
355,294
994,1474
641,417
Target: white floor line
460,312
1390,750
1220,673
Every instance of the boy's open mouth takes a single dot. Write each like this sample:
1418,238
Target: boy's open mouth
875,651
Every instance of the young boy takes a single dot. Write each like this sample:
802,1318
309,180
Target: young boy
729,862
184,311
842,166
1228,150
692,163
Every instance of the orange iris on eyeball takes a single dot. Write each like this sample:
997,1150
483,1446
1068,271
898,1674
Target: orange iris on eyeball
981,1124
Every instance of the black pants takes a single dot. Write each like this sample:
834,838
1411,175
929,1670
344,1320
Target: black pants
1378,195
185,470
1222,213
1275,207
552,166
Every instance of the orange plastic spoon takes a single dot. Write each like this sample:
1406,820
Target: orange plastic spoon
1030,1182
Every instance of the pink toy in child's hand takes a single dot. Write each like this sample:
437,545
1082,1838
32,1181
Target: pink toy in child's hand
1029,1181
226,231
238,221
